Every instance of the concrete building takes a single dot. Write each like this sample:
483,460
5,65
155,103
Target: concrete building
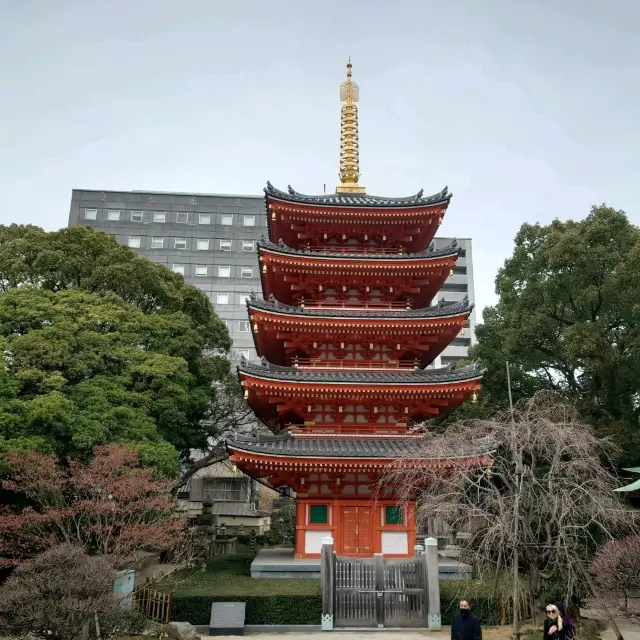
211,240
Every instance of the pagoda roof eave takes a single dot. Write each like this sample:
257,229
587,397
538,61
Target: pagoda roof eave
440,311
419,377
356,449
339,200
451,251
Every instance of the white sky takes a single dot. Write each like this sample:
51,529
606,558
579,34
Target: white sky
527,110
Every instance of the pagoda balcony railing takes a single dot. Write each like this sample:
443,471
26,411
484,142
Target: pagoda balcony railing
324,364
351,428
358,249
359,305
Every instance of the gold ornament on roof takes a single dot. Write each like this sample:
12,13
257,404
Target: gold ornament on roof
349,145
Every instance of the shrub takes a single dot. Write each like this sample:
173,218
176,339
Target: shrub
58,591
228,579
616,573
261,609
111,505
119,621
283,526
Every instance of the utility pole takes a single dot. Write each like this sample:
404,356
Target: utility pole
516,515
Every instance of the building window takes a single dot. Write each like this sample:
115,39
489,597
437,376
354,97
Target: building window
244,352
178,268
318,514
249,221
202,244
204,218
224,272
244,327
393,515
134,242
226,220
246,272
248,245
182,217
243,298
136,216
180,243
157,243
113,215
222,298
226,490
90,214
201,269
225,245
159,216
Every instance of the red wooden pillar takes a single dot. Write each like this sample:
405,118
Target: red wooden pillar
411,526
336,520
301,510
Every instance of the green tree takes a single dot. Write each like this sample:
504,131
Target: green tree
568,319
101,345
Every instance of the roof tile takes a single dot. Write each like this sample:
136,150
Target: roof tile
359,200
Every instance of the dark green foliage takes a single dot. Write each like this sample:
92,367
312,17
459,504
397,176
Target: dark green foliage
269,601
101,345
261,609
283,526
568,318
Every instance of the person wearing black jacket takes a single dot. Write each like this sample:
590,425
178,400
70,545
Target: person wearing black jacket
553,627
465,625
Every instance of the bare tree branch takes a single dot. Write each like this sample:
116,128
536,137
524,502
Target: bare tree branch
561,495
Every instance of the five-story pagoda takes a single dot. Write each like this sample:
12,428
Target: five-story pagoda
345,331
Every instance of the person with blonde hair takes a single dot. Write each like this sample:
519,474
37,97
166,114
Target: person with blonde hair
553,627
568,624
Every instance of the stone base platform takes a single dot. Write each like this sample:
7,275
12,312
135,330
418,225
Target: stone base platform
280,563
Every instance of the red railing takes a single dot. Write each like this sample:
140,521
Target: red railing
329,428
361,365
329,248
356,305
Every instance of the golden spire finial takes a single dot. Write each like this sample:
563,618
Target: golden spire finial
349,154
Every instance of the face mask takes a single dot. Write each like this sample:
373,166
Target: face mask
464,612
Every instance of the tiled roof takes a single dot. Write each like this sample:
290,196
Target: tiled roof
441,310
418,376
280,247
240,509
359,200
394,448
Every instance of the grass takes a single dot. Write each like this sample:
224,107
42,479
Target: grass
231,576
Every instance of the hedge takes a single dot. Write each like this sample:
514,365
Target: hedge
265,609
228,579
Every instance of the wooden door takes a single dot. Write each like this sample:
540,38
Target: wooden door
356,531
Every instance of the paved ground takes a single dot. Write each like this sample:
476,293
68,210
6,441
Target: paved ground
409,634
629,632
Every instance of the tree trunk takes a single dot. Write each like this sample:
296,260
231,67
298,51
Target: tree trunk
535,590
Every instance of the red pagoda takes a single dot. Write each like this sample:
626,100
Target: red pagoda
346,331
